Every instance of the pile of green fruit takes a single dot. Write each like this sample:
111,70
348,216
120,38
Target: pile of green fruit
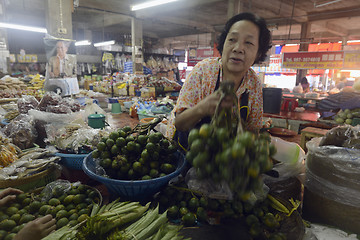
129,154
262,220
69,207
347,116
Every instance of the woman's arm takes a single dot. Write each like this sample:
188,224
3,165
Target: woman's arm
187,119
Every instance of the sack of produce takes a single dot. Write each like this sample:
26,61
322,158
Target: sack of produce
332,185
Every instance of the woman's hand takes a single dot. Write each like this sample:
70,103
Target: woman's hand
8,195
37,229
207,106
190,117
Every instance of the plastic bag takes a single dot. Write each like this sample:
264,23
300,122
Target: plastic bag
291,157
50,117
333,172
92,108
221,190
342,136
57,188
208,187
26,103
50,98
22,131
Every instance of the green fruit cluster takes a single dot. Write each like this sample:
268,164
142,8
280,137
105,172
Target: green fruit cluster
237,159
71,207
347,116
191,208
127,156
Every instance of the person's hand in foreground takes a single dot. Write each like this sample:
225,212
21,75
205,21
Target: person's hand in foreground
8,195
37,229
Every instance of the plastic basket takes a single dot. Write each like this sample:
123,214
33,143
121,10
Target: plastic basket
4,122
133,190
73,161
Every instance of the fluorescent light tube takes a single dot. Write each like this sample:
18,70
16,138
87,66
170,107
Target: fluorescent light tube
83,43
150,4
104,43
291,44
352,41
21,27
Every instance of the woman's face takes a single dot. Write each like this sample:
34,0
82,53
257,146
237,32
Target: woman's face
241,47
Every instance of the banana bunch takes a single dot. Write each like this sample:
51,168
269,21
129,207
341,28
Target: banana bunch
37,82
8,152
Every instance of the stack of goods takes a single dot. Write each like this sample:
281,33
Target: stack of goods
36,82
9,83
332,187
164,82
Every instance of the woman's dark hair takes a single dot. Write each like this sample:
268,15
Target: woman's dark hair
304,80
264,37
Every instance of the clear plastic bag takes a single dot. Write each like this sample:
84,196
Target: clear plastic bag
22,131
26,103
57,188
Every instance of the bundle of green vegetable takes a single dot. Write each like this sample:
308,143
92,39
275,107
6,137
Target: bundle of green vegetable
120,221
223,151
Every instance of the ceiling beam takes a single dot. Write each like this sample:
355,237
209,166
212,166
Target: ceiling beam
188,23
282,9
108,20
336,29
333,14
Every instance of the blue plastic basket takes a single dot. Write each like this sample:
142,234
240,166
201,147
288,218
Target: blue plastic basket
4,122
73,161
133,190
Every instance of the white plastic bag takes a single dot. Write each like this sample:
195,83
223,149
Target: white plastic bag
291,157
92,108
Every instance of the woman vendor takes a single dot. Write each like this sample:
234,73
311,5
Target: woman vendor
244,41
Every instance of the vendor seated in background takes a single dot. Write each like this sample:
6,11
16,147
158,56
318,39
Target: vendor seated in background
348,97
305,85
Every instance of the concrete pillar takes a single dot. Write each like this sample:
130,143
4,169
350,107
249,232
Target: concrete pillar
344,42
4,47
234,7
137,45
304,46
59,19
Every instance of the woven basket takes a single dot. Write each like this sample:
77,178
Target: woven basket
34,181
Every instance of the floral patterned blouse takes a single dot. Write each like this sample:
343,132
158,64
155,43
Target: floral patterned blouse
202,82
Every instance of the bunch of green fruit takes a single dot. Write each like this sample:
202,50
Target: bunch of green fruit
239,160
69,207
181,203
129,155
224,151
346,116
